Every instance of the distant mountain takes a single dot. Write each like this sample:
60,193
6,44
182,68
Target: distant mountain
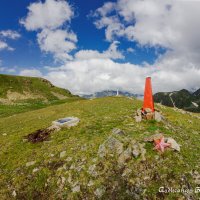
106,93
20,89
182,99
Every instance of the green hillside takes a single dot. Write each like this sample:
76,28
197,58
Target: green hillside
68,165
20,94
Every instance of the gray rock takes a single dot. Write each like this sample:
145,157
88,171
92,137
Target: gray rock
92,170
115,145
173,144
35,170
138,118
102,151
76,189
125,155
28,164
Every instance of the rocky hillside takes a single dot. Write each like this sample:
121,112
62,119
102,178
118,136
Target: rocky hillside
18,89
182,99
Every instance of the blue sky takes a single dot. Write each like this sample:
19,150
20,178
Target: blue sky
27,52
110,40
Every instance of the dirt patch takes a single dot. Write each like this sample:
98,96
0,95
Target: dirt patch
39,135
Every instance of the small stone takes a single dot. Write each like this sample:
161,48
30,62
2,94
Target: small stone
63,179
92,170
62,154
102,151
138,118
35,170
76,189
135,151
28,164
99,192
69,159
4,134
91,183
14,194
127,172
158,116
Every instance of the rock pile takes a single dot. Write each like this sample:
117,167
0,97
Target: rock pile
148,114
123,148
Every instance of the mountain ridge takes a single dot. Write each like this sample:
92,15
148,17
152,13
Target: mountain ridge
182,99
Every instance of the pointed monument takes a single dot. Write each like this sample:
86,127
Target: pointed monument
148,102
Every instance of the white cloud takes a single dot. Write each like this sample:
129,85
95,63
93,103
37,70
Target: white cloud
130,50
49,18
111,52
173,25
5,46
10,34
30,72
57,42
92,75
51,14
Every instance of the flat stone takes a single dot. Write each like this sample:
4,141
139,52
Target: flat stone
66,122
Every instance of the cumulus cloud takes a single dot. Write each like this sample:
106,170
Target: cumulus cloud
51,14
112,53
30,72
57,42
49,19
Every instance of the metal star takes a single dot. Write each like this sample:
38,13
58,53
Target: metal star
160,144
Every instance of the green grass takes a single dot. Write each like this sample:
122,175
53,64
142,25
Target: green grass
32,85
98,117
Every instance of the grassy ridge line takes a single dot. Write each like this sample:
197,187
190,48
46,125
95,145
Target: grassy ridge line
33,85
98,117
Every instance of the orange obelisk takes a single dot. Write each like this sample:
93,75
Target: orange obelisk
148,96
